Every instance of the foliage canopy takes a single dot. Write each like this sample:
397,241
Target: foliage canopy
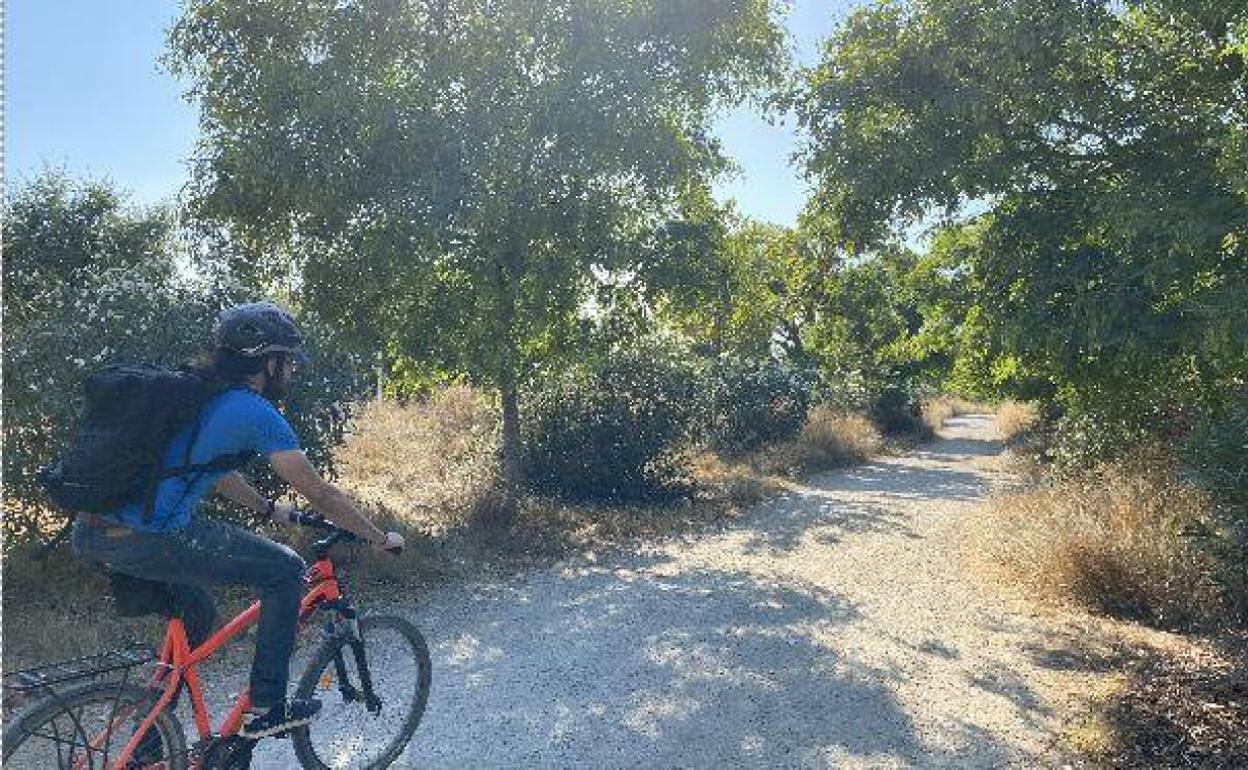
463,165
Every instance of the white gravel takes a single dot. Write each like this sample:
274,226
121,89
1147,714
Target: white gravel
833,627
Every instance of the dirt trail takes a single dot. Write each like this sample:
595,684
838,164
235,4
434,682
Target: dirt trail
833,627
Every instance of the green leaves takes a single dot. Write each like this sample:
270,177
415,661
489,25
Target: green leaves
90,281
1108,143
414,147
446,175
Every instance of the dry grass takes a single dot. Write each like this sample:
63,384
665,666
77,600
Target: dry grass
1014,418
739,484
828,439
432,465
429,471
61,608
1110,541
937,409
725,488
45,604
1175,708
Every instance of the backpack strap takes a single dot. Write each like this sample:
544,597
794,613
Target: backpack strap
191,471
226,462
153,484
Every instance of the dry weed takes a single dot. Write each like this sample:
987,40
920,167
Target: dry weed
1015,418
1178,709
431,465
61,607
828,439
1111,541
739,484
937,409
419,470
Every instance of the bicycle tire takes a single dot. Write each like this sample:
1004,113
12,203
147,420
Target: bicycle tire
52,721
322,666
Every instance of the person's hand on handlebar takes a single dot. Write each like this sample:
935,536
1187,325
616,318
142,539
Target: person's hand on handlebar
392,544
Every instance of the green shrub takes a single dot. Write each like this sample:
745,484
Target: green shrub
88,283
896,411
1216,455
1078,440
610,430
757,402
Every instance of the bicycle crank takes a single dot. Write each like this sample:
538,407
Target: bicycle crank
230,753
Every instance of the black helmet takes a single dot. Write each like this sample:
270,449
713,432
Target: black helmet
258,328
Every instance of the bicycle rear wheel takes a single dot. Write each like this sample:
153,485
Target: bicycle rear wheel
347,733
86,727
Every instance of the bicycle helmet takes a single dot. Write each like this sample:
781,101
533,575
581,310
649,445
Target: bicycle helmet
258,328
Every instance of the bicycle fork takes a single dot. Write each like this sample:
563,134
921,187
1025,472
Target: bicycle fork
347,624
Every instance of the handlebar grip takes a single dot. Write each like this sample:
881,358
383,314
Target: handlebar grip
310,519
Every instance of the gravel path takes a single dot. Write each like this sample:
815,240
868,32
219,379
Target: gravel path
832,627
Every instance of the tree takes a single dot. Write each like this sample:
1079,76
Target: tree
726,282
1106,141
444,175
861,322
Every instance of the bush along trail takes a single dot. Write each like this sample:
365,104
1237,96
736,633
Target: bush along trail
832,626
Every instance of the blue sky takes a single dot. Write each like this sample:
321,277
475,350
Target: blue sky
83,90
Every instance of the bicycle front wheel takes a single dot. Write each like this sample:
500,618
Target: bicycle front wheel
350,732
87,727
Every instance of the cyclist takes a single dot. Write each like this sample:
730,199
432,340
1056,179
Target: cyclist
258,347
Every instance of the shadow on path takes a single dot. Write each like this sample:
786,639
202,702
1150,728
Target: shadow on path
658,660
865,498
612,668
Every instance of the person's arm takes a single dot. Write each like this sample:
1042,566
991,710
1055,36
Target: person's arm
293,466
236,489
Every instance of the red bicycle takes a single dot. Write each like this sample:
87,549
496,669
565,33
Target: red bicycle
372,674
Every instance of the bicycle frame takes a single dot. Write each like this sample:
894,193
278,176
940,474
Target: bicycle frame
178,661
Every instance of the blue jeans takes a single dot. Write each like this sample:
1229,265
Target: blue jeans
212,553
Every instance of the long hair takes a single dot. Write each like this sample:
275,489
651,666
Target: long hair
226,365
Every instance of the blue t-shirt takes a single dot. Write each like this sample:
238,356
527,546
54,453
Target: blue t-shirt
236,420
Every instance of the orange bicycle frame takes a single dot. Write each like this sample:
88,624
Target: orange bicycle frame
178,661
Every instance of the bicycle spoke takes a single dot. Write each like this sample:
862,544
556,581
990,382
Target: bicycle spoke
108,729
87,729
79,731
60,762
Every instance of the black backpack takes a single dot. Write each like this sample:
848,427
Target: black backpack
131,415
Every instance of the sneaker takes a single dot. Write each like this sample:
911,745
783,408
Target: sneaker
280,719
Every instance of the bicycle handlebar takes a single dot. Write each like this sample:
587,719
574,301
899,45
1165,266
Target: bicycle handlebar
336,534
316,521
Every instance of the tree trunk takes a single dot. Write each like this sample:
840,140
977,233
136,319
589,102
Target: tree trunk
511,409
511,447
381,374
